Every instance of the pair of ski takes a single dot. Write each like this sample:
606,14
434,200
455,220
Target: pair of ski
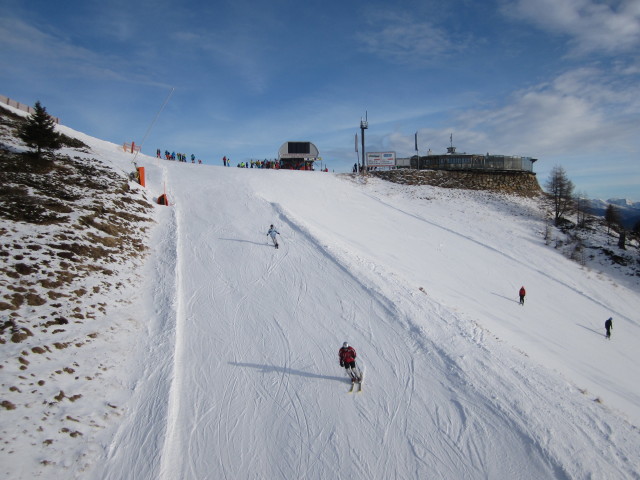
353,385
356,381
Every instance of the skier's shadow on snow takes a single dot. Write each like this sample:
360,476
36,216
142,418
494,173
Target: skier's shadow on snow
592,330
506,298
246,241
289,371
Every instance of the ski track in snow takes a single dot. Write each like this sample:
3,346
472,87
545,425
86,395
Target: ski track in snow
596,301
251,397
144,428
239,374
511,258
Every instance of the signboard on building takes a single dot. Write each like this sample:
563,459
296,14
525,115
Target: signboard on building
297,155
381,159
302,150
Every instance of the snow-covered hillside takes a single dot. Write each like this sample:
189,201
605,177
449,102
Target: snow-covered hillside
227,363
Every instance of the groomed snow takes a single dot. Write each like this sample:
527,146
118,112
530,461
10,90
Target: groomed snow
233,372
462,382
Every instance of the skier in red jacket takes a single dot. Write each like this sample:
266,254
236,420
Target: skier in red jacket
522,293
347,356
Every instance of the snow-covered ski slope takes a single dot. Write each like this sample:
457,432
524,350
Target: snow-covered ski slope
239,374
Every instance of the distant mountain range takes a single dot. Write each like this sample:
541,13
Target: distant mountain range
629,211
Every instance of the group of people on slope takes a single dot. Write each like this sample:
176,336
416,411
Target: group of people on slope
182,157
273,164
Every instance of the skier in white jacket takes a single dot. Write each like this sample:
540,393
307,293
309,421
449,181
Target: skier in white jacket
273,232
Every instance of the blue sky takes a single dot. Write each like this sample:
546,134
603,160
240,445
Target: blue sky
558,80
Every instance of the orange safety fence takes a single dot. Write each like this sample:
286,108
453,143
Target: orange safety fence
131,147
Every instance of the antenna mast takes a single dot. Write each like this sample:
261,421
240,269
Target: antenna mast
364,124
451,149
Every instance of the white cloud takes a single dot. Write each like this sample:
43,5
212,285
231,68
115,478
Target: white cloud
593,26
587,109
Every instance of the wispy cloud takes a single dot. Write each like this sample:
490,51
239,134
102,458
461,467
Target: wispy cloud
591,25
52,51
401,37
585,109
21,38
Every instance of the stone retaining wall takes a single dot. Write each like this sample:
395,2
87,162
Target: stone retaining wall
519,183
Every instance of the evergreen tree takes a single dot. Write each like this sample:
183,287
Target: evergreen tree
560,190
38,132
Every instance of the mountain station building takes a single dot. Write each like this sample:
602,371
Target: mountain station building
297,155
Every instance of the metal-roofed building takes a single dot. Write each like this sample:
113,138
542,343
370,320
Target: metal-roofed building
297,155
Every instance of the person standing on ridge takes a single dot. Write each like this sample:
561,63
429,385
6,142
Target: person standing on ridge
608,326
522,293
347,355
273,232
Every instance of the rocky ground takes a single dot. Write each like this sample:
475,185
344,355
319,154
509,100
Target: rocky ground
73,230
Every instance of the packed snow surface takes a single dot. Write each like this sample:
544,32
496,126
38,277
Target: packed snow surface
234,373
461,380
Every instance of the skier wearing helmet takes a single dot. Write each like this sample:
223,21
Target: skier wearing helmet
347,355
273,232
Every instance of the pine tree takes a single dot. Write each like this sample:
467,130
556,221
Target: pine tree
38,132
